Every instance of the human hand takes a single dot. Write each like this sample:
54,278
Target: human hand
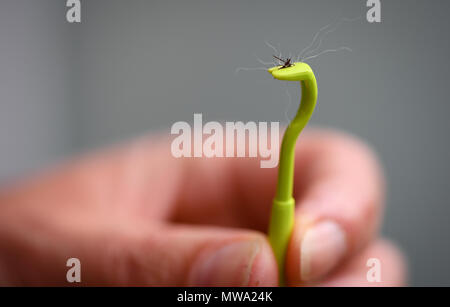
138,216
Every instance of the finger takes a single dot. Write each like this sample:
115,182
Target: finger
202,256
338,205
381,264
141,178
119,251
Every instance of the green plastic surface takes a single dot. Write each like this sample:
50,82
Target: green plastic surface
283,208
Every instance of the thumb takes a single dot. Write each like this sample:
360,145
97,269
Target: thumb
203,256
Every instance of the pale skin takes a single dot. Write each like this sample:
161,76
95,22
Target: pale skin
134,215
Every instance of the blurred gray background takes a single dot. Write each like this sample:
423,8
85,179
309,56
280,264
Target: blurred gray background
135,66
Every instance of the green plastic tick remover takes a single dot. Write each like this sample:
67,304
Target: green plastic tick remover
283,209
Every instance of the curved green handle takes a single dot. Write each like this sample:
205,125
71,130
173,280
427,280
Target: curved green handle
282,216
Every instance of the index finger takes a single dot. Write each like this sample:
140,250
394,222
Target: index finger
239,193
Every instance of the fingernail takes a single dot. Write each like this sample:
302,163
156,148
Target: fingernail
322,247
229,265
